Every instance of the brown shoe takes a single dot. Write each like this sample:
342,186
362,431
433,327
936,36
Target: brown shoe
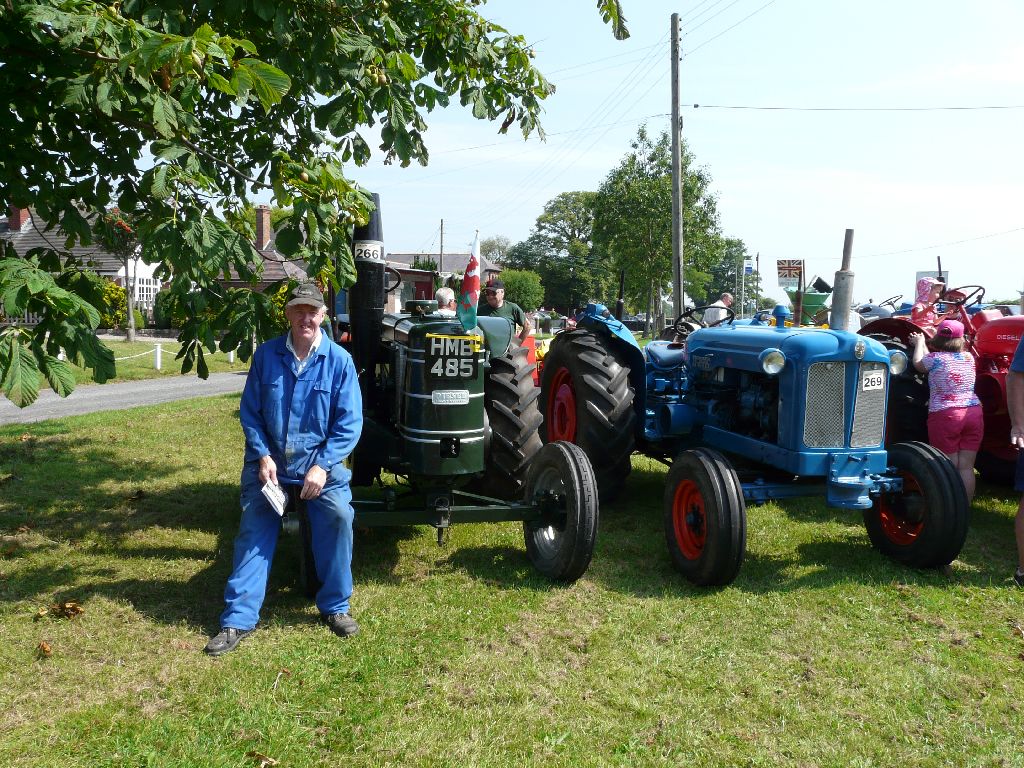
340,624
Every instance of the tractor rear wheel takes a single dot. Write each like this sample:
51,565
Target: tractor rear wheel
906,410
562,551
995,469
925,526
587,400
705,517
513,418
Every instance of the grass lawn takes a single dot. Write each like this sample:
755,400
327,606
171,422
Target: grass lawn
135,361
820,654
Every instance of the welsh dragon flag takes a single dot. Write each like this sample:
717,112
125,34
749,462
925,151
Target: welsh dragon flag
470,294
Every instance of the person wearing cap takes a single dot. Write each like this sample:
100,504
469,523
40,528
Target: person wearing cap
923,314
1015,404
445,298
301,415
955,421
495,305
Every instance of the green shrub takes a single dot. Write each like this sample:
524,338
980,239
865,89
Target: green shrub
140,319
114,313
523,287
166,310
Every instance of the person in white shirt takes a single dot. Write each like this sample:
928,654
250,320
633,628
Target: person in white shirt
445,302
716,311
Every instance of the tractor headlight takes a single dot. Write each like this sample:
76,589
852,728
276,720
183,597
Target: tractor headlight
772,361
897,362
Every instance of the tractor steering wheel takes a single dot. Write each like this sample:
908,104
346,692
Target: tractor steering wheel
398,279
960,296
891,301
690,314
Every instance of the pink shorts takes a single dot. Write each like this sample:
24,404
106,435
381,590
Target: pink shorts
952,430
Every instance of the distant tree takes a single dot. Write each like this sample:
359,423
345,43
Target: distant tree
115,231
633,222
527,254
523,287
495,248
727,275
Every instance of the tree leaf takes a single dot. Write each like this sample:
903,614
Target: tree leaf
20,381
269,83
59,375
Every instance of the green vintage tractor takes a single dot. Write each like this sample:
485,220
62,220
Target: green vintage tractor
451,414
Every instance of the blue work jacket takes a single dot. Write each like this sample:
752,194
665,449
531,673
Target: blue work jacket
299,420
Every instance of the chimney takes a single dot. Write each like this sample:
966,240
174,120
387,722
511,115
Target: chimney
262,227
17,218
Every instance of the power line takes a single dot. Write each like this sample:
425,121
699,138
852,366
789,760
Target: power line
860,109
603,59
710,39
943,245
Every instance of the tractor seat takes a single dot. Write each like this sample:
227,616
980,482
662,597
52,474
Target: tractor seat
665,355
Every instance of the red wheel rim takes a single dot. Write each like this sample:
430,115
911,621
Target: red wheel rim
561,415
689,520
901,517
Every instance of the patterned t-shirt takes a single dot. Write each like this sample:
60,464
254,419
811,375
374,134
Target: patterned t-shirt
951,380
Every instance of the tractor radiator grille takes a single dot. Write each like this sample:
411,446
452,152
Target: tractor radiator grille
824,414
869,410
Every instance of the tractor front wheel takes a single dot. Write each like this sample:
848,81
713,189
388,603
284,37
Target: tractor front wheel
705,517
587,400
924,526
562,549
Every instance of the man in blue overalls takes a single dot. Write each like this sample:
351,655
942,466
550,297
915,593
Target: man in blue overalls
301,413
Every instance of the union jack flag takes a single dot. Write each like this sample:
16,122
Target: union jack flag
790,268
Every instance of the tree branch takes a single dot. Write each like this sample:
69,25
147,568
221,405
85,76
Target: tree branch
90,54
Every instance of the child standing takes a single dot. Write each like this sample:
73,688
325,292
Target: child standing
955,422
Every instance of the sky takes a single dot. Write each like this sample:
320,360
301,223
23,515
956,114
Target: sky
867,137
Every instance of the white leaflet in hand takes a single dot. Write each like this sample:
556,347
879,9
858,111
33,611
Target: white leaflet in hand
275,495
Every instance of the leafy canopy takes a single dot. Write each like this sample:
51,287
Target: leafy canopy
182,113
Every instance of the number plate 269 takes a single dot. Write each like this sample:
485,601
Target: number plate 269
451,357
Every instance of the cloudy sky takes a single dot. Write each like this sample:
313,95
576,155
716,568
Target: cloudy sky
903,121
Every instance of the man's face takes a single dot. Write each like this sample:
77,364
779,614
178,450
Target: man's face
495,296
304,321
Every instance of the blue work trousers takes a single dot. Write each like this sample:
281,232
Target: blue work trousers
330,521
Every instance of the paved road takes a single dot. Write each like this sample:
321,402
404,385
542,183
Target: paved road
116,397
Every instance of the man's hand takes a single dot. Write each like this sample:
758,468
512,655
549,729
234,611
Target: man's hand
268,471
316,478
1017,437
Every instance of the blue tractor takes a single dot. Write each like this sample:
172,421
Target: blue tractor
750,411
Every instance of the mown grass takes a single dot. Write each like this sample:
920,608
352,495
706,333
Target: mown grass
820,654
135,361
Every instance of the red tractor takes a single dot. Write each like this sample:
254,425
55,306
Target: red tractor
991,339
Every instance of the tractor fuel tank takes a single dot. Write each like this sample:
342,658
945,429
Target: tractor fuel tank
439,393
999,337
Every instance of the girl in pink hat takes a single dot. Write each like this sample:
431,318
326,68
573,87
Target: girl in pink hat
923,314
955,422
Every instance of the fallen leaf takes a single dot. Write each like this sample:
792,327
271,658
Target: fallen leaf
41,613
26,437
263,761
68,610
1016,626
137,495
24,528
43,650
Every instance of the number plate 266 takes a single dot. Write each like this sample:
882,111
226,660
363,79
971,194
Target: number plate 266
451,357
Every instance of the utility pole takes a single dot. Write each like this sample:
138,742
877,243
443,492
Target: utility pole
678,274
440,256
